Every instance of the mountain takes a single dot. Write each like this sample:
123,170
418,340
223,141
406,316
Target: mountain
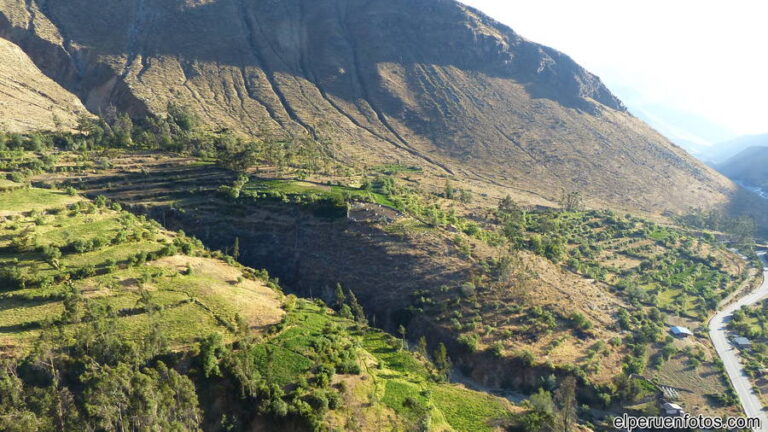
720,153
748,166
695,133
28,98
430,82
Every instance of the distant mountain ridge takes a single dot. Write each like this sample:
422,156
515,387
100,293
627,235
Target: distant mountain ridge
427,82
750,167
722,152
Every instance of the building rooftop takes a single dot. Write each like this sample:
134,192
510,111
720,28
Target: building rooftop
740,340
681,331
671,406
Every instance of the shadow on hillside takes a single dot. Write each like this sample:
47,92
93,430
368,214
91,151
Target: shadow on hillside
747,203
338,45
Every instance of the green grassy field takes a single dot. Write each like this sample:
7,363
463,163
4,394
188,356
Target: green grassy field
112,268
24,200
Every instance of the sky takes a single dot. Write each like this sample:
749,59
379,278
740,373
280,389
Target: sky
697,70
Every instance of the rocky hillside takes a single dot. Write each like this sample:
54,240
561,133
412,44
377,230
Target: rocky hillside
428,82
29,99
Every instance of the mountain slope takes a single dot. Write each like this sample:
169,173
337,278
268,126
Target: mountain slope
29,99
721,152
430,82
748,166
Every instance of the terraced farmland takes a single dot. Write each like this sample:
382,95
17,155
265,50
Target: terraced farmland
55,251
78,272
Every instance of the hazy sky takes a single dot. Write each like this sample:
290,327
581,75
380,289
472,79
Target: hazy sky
666,58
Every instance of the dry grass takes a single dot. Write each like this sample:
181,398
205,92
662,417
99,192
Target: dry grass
258,304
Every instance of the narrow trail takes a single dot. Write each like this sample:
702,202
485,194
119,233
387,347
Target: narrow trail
718,332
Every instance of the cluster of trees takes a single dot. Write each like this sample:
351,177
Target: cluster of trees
576,238
540,232
348,306
428,209
742,228
452,193
307,399
752,322
647,327
84,374
95,379
303,155
571,201
15,276
556,412
178,131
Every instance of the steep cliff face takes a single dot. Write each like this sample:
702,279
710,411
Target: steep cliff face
429,82
28,99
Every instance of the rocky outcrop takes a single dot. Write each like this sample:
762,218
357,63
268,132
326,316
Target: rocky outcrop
428,82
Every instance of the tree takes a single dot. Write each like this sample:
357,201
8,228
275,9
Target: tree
182,117
340,297
211,350
442,362
449,191
542,413
236,248
421,346
507,205
402,332
52,256
565,401
465,196
571,201
357,309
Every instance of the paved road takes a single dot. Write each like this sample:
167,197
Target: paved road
753,407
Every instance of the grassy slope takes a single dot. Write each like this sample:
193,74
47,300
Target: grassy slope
397,376
617,249
208,299
191,303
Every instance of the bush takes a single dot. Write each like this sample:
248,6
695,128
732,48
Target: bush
468,289
580,322
468,342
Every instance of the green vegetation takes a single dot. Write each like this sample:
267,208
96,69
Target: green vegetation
647,263
742,229
111,323
25,199
299,192
752,322
48,254
55,246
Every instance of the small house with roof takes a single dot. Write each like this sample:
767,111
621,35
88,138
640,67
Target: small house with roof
741,342
671,410
681,332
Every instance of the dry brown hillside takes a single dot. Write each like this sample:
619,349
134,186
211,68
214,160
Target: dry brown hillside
429,82
29,99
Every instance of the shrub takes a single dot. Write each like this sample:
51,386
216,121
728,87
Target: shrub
468,342
580,322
